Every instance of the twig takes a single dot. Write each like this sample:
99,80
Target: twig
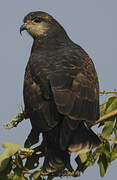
16,120
27,172
107,116
109,92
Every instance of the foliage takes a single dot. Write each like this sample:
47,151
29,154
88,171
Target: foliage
18,163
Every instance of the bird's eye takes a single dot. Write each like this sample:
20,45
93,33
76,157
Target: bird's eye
37,20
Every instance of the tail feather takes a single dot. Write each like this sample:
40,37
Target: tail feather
69,136
78,137
84,140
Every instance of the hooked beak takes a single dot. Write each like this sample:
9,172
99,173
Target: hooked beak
22,28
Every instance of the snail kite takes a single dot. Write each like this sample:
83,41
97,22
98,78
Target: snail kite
61,91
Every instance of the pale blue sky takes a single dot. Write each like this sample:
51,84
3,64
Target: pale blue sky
89,23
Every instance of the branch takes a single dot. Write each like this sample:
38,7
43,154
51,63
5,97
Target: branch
16,120
107,116
109,92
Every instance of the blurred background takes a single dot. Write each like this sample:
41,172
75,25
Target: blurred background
92,24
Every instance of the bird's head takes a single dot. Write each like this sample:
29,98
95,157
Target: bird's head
40,24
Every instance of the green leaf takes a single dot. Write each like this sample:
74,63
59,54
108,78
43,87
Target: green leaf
108,127
106,150
10,150
114,153
102,109
115,128
18,174
36,175
4,160
32,139
18,161
83,157
115,132
108,106
25,178
13,176
92,156
81,166
111,104
110,101
97,152
6,171
16,177
10,176
102,162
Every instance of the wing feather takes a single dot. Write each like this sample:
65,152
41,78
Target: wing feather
76,90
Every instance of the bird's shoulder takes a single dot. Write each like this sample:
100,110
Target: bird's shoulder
68,67
69,55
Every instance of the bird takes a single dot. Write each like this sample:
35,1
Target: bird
61,92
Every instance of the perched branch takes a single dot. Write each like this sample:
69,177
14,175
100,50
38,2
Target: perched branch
107,116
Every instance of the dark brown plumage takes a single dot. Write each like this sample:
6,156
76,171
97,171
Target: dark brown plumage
61,91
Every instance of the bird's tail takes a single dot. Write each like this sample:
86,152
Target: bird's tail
77,137
70,136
